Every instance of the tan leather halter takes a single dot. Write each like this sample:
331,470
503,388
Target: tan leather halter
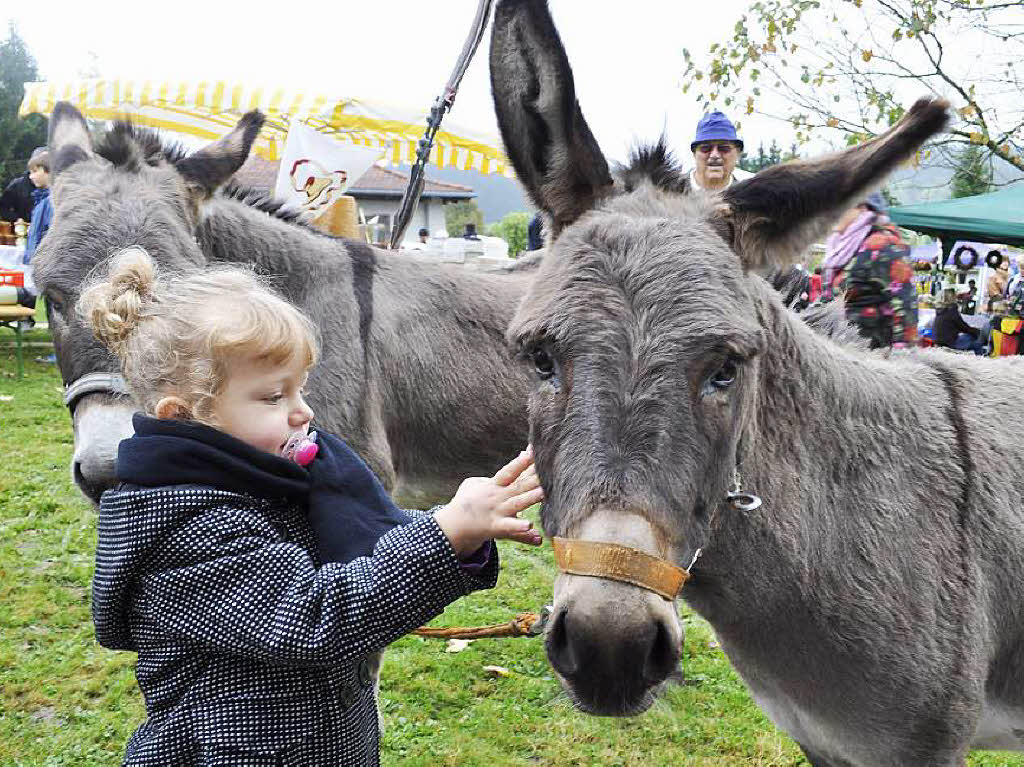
619,563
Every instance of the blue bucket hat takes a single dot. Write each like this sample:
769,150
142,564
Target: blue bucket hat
715,126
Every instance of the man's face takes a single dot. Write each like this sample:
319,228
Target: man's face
715,162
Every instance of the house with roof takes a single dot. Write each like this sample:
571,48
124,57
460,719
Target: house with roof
378,193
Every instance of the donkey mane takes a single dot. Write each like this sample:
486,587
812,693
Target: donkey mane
267,203
129,147
655,163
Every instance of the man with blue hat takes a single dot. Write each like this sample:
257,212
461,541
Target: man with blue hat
716,150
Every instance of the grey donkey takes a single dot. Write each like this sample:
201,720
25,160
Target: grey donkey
414,374
872,604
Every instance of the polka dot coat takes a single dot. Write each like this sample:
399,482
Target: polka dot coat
249,652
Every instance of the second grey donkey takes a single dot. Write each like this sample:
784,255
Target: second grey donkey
414,374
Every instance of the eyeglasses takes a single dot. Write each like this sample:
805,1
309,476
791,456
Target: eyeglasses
722,148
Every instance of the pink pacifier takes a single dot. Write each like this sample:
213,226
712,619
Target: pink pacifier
301,448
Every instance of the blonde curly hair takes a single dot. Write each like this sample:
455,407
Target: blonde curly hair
177,335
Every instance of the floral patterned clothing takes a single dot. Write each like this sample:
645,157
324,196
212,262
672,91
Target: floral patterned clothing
878,289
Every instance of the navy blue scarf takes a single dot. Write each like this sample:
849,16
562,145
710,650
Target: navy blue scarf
347,506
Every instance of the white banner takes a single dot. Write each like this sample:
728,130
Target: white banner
315,169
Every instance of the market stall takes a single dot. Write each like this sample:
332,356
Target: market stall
968,230
342,126
997,217
210,109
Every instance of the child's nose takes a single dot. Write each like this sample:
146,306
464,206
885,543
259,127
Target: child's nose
302,414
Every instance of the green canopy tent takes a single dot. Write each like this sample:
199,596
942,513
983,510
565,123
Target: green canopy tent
996,217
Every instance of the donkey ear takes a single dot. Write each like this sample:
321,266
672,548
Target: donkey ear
552,150
213,165
771,218
68,141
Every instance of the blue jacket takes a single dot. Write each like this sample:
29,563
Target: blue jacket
42,216
535,233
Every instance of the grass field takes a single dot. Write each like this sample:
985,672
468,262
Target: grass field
64,700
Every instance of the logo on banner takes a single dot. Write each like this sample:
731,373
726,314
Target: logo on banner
320,186
316,170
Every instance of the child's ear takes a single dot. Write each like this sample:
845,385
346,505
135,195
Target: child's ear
172,408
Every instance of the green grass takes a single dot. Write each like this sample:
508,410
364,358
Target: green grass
64,700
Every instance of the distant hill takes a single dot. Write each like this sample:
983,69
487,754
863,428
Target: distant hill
930,183
496,195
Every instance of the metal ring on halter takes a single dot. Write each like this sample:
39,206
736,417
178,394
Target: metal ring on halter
743,501
740,500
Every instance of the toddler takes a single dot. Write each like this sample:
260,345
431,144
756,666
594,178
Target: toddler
255,590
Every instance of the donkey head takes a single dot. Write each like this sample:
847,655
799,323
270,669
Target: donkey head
127,191
643,329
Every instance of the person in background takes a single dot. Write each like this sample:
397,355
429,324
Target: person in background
535,233
814,291
950,329
1012,266
1015,277
867,262
422,240
42,206
39,225
970,299
1015,295
716,150
995,288
16,200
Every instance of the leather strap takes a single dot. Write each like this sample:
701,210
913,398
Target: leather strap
522,625
619,563
91,383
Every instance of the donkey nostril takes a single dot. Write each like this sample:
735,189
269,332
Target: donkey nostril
663,655
559,648
92,490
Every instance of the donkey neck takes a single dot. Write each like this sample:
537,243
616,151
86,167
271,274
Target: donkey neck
230,231
815,381
829,450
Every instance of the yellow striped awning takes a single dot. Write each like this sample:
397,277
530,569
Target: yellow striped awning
210,108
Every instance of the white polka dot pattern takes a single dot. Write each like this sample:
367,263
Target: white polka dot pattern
249,652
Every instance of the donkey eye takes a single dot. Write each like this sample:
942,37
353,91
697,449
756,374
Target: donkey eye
542,363
724,377
54,304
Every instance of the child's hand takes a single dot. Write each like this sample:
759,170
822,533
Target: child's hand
485,508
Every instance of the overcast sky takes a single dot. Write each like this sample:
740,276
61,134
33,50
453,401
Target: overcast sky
627,57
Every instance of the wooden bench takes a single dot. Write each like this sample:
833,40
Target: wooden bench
12,317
